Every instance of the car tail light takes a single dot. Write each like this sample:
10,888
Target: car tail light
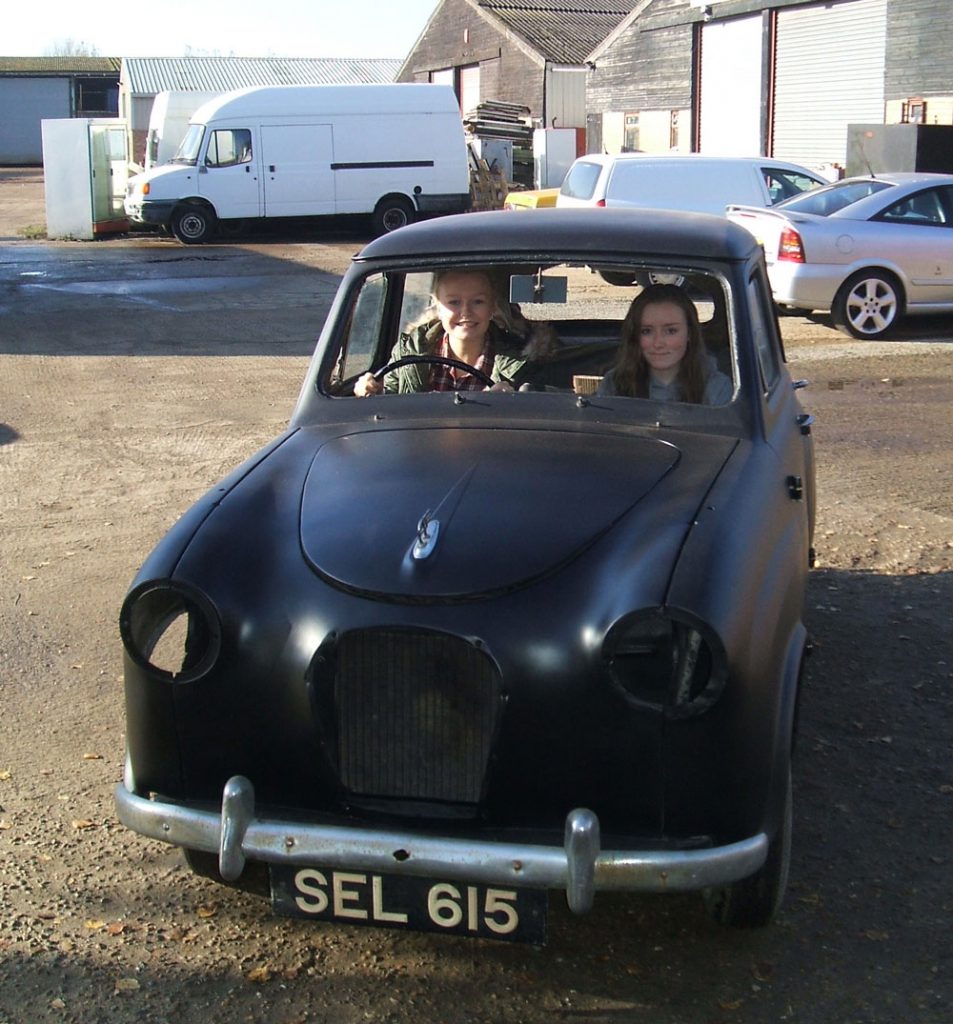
600,202
790,246
171,630
663,664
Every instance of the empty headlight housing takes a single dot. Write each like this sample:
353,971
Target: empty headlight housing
664,664
170,629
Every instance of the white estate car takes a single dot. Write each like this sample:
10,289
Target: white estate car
688,181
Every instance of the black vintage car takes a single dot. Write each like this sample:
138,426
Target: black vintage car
432,654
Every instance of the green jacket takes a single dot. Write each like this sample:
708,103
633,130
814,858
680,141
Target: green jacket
508,360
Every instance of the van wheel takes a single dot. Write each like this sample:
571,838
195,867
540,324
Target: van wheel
391,213
193,224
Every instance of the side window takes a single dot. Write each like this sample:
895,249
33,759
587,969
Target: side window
228,147
783,184
764,330
152,146
364,328
923,208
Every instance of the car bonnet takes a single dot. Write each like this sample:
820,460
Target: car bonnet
441,513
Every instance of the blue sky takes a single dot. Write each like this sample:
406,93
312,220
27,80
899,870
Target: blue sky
243,28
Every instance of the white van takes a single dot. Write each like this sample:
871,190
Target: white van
690,181
172,109
391,151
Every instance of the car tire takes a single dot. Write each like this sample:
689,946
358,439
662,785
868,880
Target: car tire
193,224
391,213
868,304
754,901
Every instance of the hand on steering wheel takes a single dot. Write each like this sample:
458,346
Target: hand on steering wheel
457,364
370,383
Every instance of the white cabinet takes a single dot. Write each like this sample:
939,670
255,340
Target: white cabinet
85,168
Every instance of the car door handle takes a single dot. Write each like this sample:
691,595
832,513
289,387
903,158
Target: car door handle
271,168
805,421
799,385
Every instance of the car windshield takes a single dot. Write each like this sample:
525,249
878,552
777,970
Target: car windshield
553,328
832,198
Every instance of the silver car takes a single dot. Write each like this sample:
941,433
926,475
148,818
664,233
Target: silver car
869,250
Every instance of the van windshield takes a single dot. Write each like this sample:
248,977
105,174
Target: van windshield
188,151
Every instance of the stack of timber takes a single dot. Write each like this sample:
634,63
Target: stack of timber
494,119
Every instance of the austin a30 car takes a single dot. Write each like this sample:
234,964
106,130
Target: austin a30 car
513,607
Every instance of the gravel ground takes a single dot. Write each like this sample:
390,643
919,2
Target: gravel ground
119,406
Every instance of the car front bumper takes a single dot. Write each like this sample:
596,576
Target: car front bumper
579,866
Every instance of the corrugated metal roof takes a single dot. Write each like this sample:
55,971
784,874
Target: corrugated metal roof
563,31
59,65
146,76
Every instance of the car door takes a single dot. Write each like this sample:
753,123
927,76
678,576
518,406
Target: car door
916,233
788,427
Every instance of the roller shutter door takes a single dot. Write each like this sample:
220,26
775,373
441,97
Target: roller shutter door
829,72
25,102
730,115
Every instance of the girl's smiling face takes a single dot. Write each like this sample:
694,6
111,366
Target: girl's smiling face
663,338
464,304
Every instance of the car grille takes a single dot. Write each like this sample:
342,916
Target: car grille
416,715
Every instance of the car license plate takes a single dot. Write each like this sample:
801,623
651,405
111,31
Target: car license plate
415,904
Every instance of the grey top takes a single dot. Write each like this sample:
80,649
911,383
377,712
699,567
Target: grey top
718,389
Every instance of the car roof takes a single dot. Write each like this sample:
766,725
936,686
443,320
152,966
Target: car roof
588,234
897,186
903,178
756,161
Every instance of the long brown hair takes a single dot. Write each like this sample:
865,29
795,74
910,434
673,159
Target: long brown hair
632,371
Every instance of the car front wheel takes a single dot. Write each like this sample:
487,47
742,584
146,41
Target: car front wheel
193,224
868,304
753,902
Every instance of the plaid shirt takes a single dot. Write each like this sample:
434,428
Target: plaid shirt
443,378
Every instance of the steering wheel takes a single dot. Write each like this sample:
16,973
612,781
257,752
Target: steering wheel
457,364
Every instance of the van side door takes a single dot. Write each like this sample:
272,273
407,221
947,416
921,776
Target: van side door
296,166
228,173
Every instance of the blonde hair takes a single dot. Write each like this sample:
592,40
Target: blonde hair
429,316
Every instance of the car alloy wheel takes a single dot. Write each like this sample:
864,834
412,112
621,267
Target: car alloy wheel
868,304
